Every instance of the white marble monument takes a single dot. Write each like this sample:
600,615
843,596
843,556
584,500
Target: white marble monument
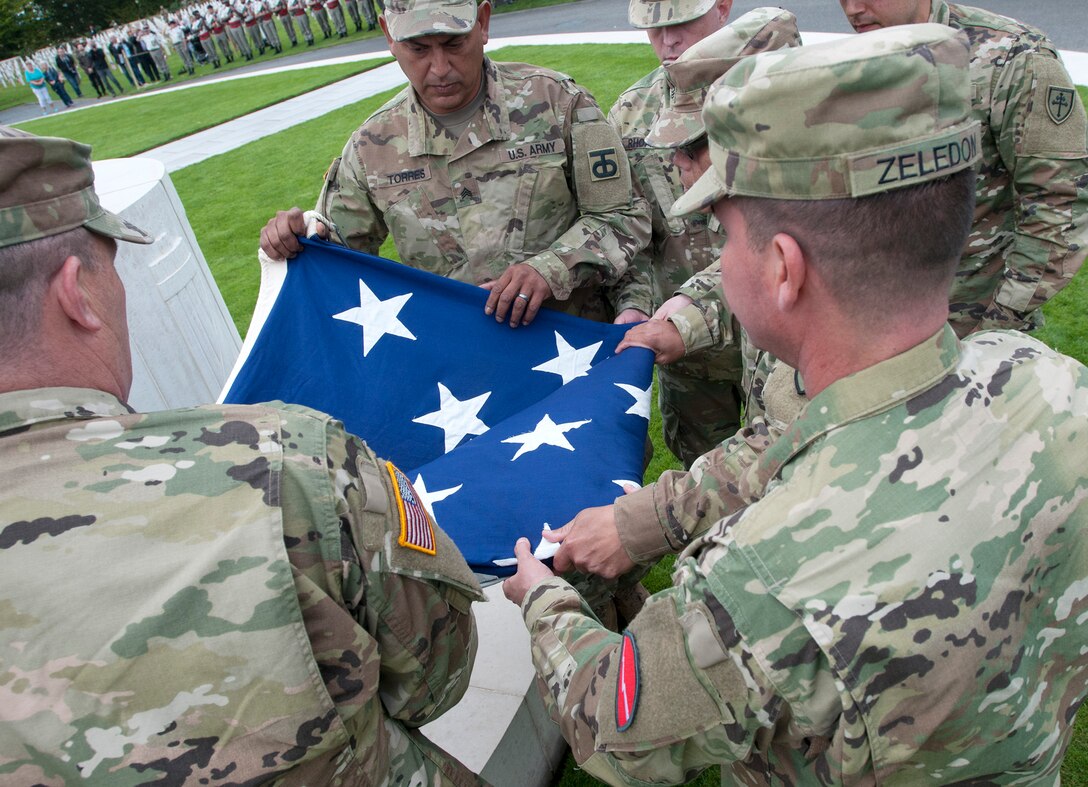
183,339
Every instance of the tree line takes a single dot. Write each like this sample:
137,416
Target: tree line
29,25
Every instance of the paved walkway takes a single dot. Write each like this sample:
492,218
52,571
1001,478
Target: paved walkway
272,120
265,122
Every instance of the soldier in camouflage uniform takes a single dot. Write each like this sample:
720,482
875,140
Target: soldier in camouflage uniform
903,602
698,396
221,592
503,175
662,517
1030,234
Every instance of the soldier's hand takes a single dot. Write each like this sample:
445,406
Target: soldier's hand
530,571
279,237
672,306
591,543
629,316
519,292
660,336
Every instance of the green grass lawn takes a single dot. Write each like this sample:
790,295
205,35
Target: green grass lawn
129,127
291,166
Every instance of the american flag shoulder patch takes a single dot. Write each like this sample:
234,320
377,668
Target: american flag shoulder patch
416,525
627,683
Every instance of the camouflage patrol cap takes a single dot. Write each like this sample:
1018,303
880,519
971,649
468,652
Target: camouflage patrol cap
413,18
679,121
662,13
47,187
853,117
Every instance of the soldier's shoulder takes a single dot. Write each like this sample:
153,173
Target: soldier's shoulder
389,112
637,105
527,72
988,28
655,81
278,416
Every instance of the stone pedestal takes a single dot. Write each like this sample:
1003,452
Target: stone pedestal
501,729
183,339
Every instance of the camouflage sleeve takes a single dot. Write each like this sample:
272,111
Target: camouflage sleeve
345,201
669,514
416,605
1039,125
706,322
666,516
677,692
633,290
612,222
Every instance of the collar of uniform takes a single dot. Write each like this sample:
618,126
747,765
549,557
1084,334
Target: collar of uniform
20,409
866,393
940,13
426,138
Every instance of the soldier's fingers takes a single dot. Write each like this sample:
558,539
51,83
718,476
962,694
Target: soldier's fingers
278,237
557,535
518,305
296,220
493,300
561,561
504,300
533,306
523,550
270,243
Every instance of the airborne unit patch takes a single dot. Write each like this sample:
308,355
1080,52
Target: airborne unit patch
416,526
627,683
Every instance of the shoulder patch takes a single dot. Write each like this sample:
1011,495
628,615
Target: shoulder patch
416,525
1060,102
627,683
603,164
1056,124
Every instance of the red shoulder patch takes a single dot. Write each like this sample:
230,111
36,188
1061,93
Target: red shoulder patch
627,683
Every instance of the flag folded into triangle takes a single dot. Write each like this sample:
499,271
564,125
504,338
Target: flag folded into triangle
503,432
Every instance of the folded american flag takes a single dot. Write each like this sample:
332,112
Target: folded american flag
502,432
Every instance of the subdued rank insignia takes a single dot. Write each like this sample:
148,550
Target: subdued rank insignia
1059,103
467,191
416,527
603,164
627,683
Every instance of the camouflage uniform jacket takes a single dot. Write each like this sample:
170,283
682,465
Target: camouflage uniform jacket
1030,233
665,516
707,321
537,177
904,604
211,593
679,247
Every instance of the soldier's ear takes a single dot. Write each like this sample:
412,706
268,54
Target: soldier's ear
483,18
385,29
69,288
790,269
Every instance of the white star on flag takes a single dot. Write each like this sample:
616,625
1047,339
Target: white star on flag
642,399
376,317
569,362
430,498
455,417
547,432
